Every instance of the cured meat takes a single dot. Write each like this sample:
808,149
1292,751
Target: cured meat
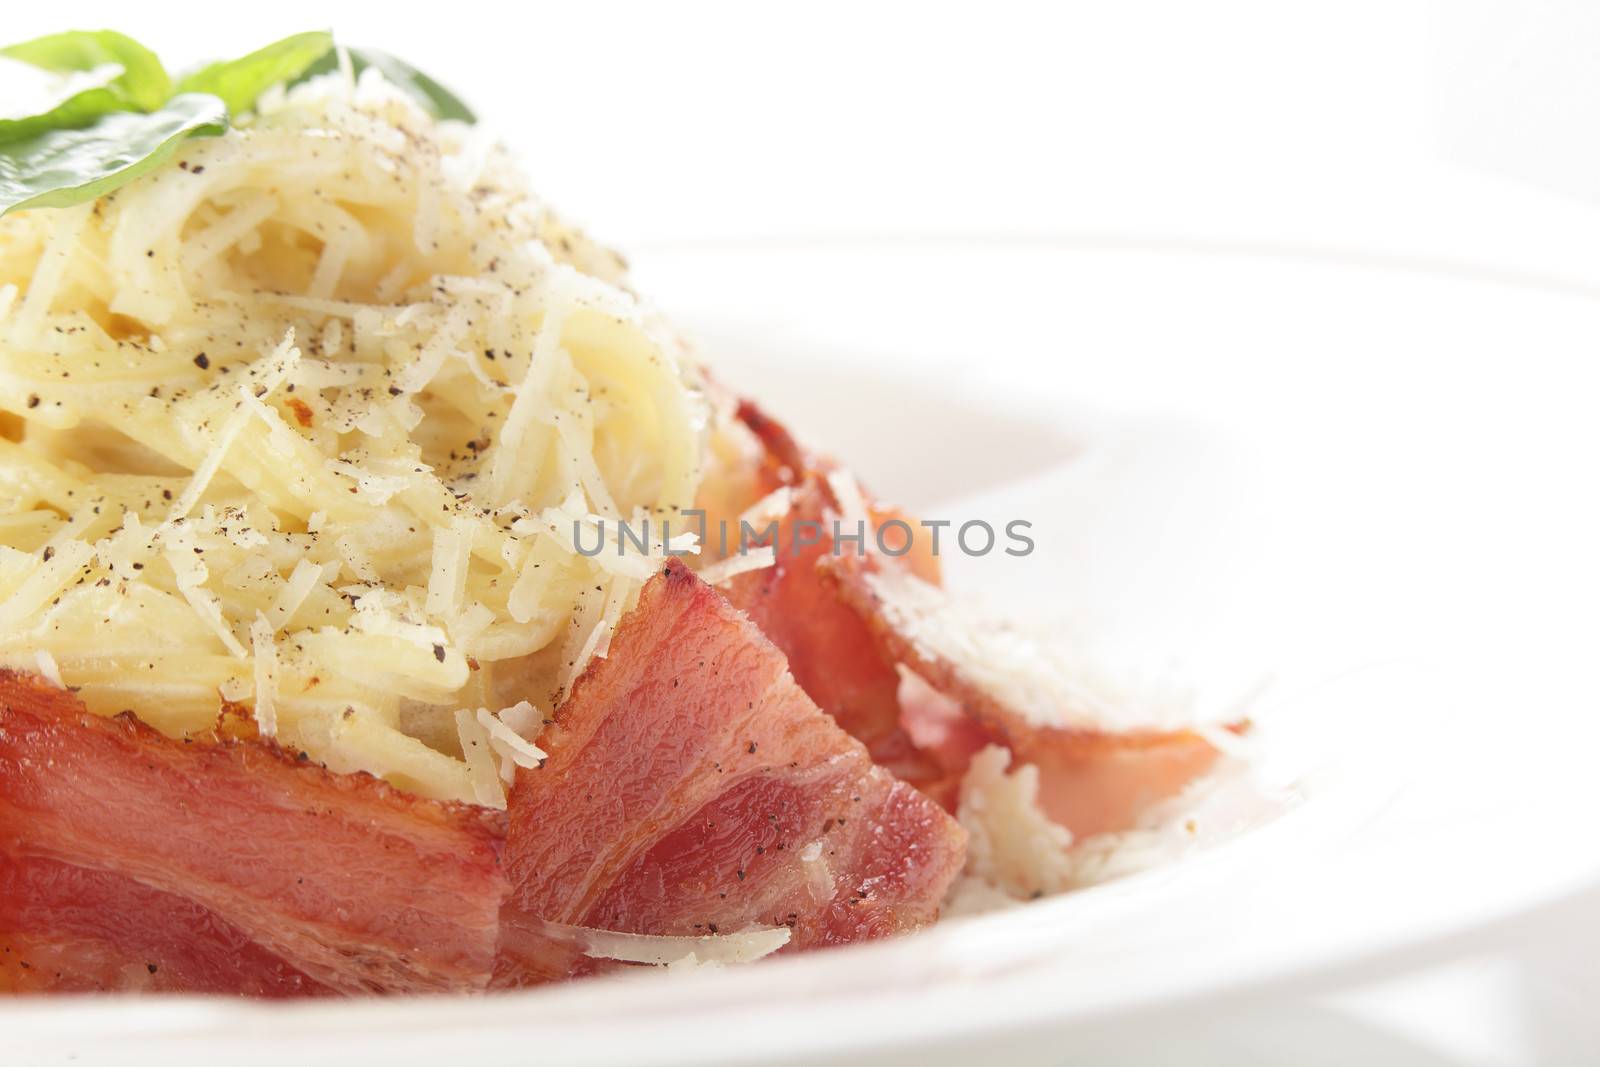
1090,780
845,649
65,928
786,462
944,733
227,865
692,788
830,648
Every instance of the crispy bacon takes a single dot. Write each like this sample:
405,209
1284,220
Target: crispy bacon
692,788
227,865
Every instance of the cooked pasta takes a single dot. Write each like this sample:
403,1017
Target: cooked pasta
308,430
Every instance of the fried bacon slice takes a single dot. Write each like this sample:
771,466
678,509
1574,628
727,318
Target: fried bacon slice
1090,780
831,652
830,649
71,929
692,788
850,644
132,860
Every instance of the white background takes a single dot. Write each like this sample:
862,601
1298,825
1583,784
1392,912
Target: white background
1342,124
1461,133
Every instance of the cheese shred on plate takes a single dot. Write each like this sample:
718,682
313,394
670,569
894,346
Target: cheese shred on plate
304,422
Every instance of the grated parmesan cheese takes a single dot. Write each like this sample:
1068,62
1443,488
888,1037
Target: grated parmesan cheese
305,577
1011,843
725,570
265,668
191,575
773,507
48,668
511,743
852,504
665,950
1018,670
475,747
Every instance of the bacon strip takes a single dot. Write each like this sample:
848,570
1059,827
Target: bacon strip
65,928
692,788
831,652
844,649
230,866
1090,780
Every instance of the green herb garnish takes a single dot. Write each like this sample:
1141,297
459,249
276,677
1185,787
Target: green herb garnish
240,82
143,83
440,102
60,168
103,109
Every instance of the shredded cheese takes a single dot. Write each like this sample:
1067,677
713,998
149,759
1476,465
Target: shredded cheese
48,668
1038,680
265,667
770,508
509,738
664,950
852,504
724,570
1011,843
486,785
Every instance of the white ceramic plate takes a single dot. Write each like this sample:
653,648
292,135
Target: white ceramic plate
1367,484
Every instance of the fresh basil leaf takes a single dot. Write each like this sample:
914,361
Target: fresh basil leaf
439,101
40,100
144,81
436,98
60,168
240,81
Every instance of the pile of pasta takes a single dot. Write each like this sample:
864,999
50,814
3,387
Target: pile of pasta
307,422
